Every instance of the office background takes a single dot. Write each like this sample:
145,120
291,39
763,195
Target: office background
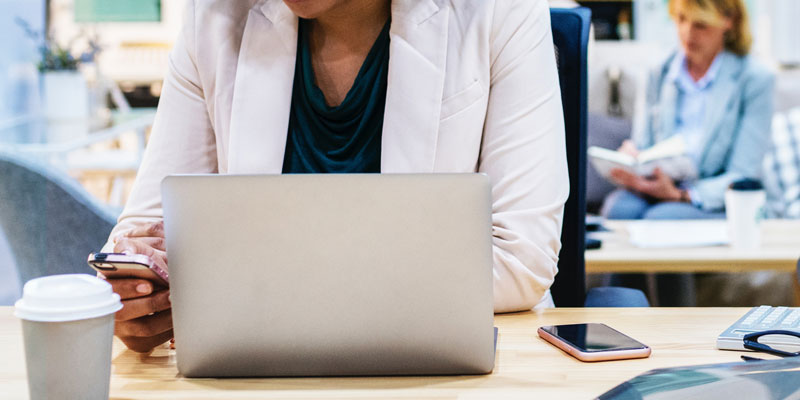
134,38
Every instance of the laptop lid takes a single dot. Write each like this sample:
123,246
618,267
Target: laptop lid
320,275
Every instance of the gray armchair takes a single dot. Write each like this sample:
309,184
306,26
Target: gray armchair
51,223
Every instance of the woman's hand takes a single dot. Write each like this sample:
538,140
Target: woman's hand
628,148
659,186
145,320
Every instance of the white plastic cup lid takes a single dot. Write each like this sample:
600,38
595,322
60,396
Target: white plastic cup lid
72,297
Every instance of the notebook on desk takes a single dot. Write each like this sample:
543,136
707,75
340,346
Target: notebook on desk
320,275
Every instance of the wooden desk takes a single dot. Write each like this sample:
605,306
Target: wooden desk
526,366
780,251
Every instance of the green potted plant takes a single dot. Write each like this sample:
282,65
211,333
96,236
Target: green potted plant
65,95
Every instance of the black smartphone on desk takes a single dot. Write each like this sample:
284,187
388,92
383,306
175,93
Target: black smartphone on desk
593,342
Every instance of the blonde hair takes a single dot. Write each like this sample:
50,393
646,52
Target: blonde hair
738,39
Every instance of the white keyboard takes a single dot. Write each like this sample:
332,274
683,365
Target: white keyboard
759,319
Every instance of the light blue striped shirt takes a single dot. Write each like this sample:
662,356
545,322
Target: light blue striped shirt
693,96
690,110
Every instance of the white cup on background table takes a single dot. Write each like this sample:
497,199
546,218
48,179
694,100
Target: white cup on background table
744,210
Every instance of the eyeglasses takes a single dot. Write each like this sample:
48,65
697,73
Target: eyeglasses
751,342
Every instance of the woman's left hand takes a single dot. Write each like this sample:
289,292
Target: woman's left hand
659,186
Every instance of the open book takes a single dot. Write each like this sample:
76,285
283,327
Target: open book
669,155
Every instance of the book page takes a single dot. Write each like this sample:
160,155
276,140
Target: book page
604,160
672,147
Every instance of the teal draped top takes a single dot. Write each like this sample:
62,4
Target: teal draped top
341,139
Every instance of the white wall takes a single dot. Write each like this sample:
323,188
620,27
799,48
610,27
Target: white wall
132,52
653,23
19,88
19,96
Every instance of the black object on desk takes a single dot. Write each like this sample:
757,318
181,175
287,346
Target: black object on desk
593,243
751,342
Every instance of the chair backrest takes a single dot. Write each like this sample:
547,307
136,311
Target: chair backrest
51,223
571,38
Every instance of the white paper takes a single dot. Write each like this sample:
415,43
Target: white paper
667,234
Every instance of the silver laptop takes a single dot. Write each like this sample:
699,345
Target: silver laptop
323,275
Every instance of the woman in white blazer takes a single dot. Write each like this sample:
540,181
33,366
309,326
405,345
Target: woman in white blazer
471,86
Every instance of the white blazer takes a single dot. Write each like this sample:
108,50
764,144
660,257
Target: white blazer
472,87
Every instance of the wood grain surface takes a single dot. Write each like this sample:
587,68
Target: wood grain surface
779,251
526,366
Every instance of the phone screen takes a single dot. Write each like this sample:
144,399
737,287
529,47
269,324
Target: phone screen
593,337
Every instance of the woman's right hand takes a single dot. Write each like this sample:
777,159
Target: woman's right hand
628,148
145,320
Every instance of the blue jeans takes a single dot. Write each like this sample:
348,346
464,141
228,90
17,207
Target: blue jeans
623,204
615,297
672,289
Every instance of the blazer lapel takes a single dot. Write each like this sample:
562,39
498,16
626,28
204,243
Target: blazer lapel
263,90
417,56
265,75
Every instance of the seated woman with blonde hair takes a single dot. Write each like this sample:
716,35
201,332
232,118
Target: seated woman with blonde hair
719,101
713,95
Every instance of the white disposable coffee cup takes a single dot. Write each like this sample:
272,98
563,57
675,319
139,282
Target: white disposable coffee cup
744,209
68,329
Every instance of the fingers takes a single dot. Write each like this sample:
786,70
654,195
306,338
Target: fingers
658,174
147,230
158,243
616,175
144,345
149,234
134,246
138,246
131,288
624,178
659,185
143,306
665,180
628,147
645,185
144,327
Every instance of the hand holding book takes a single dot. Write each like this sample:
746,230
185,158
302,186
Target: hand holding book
658,186
669,156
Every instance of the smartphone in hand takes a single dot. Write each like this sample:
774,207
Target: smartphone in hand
119,265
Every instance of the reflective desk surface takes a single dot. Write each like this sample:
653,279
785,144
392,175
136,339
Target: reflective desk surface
526,366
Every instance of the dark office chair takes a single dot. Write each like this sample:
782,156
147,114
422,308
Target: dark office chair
571,38
51,223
